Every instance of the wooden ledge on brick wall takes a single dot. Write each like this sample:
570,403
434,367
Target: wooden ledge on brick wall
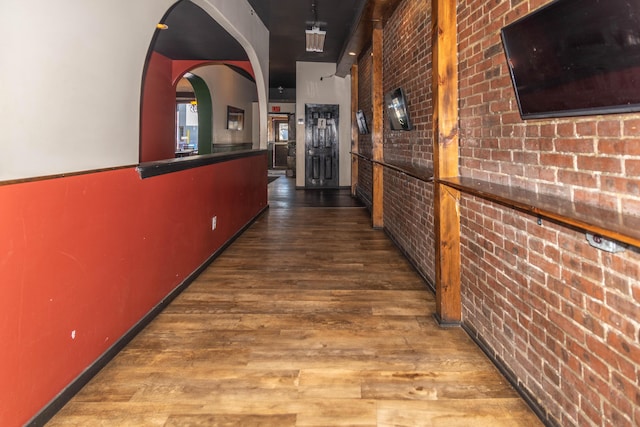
361,156
421,173
607,223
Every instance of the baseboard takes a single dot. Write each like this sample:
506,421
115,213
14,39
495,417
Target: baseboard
528,397
323,188
46,413
446,323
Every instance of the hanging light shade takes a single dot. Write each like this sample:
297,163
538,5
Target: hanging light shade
315,39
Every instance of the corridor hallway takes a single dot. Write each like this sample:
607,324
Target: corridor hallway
310,318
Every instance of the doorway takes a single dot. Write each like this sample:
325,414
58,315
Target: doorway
186,119
278,139
321,145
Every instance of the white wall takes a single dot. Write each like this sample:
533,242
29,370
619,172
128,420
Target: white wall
227,87
255,128
330,90
240,20
87,57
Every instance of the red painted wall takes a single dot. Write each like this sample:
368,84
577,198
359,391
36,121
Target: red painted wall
158,111
83,258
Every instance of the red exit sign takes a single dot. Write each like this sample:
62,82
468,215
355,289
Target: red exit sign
275,108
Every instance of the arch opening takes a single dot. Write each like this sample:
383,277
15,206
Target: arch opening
195,47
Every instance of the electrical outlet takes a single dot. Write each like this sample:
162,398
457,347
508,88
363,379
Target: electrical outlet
214,222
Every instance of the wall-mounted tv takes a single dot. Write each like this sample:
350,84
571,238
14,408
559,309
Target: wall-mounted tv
397,110
363,128
576,57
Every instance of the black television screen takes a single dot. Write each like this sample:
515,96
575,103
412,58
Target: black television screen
363,128
397,110
576,57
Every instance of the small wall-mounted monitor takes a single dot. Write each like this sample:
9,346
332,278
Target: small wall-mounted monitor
576,57
397,110
363,128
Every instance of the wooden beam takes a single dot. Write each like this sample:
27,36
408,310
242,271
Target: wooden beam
445,153
355,135
378,129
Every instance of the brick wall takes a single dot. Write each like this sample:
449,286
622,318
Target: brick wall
408,220
564,317
408,202
365,171
407,64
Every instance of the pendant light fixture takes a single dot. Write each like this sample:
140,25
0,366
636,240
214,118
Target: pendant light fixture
315,36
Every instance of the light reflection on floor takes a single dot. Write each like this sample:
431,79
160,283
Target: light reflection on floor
283,194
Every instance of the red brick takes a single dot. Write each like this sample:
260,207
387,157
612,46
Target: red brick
557,160
632,167
623,186
570,145
632,127
548,130
623,305
622,147
581,179
629,350
566,129
586,128
598,163
609,128
596,198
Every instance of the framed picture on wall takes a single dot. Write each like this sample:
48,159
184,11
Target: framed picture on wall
235,118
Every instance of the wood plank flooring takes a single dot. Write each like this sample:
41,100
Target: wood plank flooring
310,318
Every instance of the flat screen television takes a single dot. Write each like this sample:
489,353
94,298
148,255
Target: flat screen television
576,57
397,110
363,128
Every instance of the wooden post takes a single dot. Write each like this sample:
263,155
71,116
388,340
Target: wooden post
355,135
378,129
445,153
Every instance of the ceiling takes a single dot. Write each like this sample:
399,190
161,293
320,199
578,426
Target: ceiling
287,21
193,34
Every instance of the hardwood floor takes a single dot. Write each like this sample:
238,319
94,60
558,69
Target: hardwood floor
310,318
283,194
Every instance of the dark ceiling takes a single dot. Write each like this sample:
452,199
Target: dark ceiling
287,21
193,34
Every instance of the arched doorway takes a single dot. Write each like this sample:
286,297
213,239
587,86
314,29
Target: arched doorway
184,45
194,126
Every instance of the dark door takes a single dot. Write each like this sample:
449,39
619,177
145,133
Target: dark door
321,144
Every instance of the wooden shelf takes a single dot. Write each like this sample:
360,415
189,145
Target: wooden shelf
610,224
423,174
